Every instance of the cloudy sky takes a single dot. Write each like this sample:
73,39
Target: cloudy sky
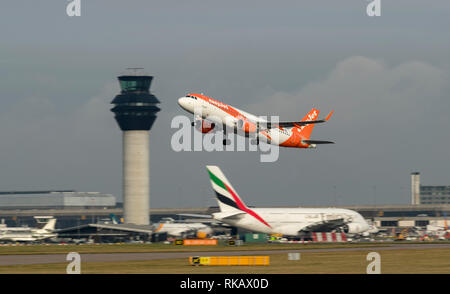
386,77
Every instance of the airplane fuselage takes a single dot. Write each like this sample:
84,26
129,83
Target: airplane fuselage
290,221
24,235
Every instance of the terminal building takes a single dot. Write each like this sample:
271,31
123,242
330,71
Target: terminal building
433,195
18,208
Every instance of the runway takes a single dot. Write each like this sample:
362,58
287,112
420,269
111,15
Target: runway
121,257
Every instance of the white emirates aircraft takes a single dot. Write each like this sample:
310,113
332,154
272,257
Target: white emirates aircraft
210,113
291,222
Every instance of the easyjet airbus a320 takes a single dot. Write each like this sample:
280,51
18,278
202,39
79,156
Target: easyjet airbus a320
209,113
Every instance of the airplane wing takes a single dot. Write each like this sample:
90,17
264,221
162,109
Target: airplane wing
289,124
204,219
325,226
229,215
195,215
317,142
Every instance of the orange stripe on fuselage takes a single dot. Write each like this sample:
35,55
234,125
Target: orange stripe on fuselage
225,107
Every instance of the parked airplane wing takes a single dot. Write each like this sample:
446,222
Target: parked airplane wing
195,215
324,226
232,214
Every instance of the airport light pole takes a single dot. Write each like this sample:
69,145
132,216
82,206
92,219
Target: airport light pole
135,112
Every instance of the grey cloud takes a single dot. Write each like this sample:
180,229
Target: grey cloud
365,89
51,148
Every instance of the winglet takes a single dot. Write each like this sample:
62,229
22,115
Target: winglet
328,117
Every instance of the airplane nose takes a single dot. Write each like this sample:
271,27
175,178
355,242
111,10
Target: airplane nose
183,101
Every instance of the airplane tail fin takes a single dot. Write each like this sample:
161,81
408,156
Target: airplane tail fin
114,218
50,226
227,197
306,130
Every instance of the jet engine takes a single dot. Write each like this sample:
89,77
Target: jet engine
352,228
204,233
204,126
246,126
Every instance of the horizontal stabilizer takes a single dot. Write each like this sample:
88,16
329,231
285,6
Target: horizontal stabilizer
317,142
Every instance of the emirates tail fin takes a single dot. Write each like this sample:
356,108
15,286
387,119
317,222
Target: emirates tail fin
227,197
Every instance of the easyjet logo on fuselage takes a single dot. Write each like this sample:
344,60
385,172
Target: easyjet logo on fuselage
228,109
218,104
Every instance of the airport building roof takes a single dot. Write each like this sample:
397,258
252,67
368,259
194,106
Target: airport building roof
60,199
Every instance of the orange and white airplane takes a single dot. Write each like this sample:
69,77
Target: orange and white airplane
209,113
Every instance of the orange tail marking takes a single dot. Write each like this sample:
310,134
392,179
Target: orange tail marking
305,131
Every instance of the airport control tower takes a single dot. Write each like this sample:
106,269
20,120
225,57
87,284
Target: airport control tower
415,188
135,111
